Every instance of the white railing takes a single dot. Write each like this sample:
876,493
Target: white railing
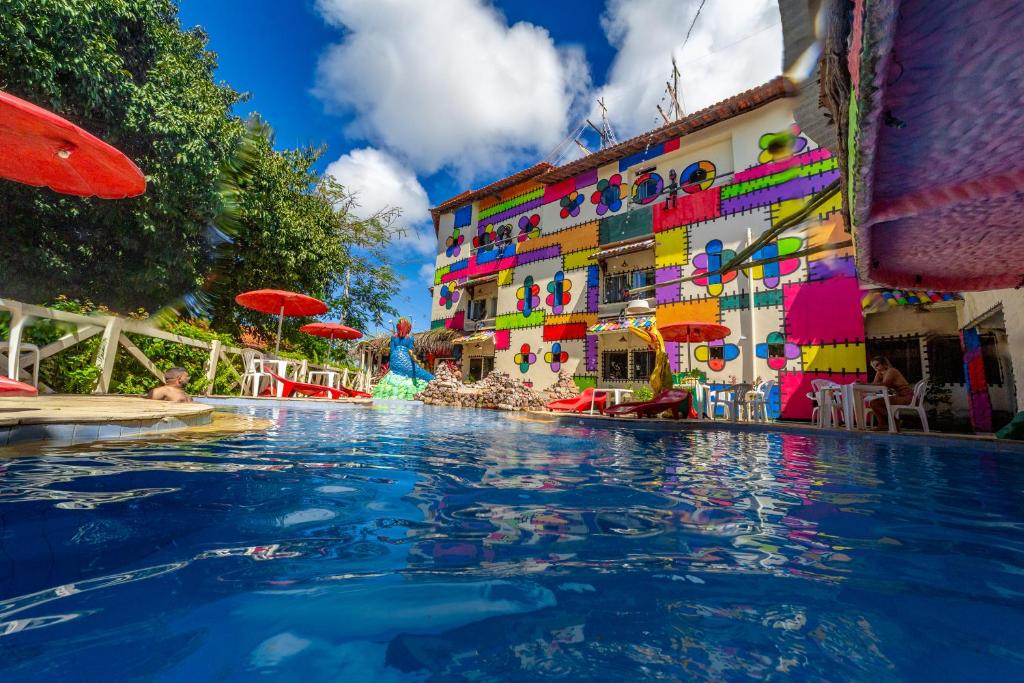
113,330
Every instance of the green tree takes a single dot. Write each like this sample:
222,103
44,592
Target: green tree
125,71
287,227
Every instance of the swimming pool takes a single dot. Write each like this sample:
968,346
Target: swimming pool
409,542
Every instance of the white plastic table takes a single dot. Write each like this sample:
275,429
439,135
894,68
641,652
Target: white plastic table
281,368
825,395
853,402
617,395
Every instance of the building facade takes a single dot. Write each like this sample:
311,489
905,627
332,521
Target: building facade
538,268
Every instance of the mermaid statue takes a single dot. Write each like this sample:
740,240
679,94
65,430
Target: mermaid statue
405,377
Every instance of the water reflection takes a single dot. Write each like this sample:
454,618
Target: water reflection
459,545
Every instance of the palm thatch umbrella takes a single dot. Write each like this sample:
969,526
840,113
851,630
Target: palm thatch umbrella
436,342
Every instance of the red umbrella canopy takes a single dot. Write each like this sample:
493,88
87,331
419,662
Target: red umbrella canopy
272,301
39,148
693,332
331,331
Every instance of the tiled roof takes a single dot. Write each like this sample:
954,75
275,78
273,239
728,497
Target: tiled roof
736,105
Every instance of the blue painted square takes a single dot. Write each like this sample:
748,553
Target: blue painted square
464,216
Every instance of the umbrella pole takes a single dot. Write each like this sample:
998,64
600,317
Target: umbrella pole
280,322
689,358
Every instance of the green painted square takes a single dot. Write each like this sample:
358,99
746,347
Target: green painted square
733,302
441,272
434,324
626,225
514,321
771,297
585,382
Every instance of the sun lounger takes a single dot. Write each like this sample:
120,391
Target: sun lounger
290,387
580,403
670,399
10,387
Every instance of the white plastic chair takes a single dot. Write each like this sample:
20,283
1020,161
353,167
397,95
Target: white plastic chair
835,407
24,350
327,377
252,377
916,405
719,397
757,402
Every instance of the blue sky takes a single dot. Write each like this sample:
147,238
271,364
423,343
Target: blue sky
418,101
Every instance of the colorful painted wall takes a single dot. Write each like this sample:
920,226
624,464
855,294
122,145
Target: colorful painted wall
794,320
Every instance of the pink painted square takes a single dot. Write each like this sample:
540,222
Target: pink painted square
823,312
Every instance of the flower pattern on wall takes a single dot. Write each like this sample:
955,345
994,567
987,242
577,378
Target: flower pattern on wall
449,296
714,256
485,237
525,358
529,227
453,245
771,273
528,296
700,175
559,296
716,354
777,351
555,357
609,195
781,145
570,205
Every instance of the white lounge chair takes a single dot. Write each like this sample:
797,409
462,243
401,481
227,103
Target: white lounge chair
916,405
30,350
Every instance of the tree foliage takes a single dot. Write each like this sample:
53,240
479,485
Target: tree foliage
126,72
291,228
223,211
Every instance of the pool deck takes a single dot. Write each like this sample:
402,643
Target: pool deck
66,419
274,402
664,424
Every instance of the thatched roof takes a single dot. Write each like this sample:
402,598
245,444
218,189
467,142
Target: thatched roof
437,341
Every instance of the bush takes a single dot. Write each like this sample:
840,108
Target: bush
74,371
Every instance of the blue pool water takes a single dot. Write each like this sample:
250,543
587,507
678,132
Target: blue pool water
417,543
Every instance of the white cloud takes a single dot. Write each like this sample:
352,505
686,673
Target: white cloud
426,273
744,37
379,181
450,84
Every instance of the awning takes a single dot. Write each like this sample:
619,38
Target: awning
645,322
476,337
624,249
875,300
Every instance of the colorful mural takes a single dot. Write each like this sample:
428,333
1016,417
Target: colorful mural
795,318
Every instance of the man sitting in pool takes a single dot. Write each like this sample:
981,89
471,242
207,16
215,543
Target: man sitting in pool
174,380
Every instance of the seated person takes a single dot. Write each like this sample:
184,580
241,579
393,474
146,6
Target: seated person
900,391
172,390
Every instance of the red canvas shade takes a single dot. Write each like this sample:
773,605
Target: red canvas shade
39,148
281,303
693,331
331,331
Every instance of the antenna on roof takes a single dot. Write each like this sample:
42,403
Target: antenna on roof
605,131
673,92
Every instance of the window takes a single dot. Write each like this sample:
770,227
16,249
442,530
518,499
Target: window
615,366
478,309
643,364
946,360
480,367
718,352
617,286
494,307
904,353
774,351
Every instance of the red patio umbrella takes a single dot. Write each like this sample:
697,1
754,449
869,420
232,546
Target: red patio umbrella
39,148
281,303
693,331
331,331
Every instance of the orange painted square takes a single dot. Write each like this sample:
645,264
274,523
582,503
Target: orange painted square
697,310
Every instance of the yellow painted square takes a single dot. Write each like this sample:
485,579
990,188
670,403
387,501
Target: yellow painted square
671,248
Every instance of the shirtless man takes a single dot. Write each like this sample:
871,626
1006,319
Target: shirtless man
174,380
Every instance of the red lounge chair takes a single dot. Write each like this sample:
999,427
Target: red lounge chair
291,387
670,399
10,387
580,403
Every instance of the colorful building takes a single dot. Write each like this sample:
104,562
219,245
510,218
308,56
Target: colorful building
538,268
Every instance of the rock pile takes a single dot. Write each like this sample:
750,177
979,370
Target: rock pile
565,387
497,390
